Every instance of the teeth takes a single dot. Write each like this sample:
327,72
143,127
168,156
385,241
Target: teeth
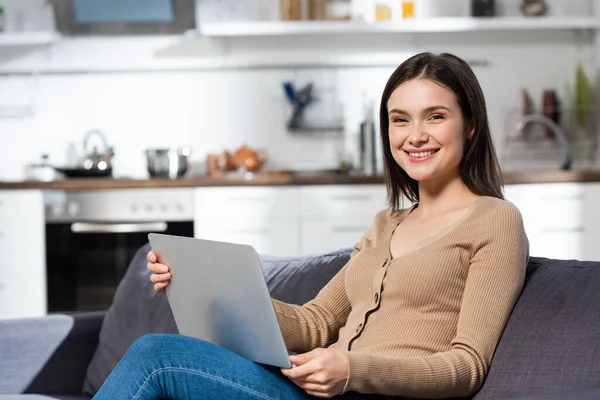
421,154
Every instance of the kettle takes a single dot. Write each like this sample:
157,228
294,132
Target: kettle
95,160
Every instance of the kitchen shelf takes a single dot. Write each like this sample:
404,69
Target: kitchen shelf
432,25
25,39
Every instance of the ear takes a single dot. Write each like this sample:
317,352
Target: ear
470,133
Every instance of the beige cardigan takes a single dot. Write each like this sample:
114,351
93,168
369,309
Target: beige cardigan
425,324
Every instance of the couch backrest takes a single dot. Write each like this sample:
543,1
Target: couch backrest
551,342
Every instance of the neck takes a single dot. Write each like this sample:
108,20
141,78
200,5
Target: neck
443,194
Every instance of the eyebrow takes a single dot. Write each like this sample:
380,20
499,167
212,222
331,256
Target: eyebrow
427,110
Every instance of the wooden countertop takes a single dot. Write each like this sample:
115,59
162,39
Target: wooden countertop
276,180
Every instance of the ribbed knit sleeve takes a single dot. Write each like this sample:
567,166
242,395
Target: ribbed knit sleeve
495,279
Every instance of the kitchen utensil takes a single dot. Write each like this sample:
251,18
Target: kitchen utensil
247,159
290,92
302,98
551,109
95,160
93,164
83,172
525,107
216,164
167,163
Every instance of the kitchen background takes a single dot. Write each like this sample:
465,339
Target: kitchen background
237,79
214,93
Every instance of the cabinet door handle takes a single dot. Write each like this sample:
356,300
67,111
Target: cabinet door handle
349,228
247,198
557,230
84,227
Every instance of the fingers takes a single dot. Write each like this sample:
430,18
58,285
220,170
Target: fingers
160,286
301,359
299,373
157,268
152,257
156,278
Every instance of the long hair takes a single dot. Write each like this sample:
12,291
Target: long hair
479,168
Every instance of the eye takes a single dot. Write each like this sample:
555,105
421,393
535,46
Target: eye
437,117
399,120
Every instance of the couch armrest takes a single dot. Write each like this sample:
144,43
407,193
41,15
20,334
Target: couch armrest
47,355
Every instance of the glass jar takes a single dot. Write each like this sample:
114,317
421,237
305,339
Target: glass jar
291,10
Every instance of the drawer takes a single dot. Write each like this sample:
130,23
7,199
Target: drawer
279,237
22,298
343,200
319,236
241,202
21,205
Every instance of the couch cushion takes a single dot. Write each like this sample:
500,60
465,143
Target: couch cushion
552,340
137,309
587,394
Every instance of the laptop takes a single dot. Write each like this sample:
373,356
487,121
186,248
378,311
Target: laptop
218,293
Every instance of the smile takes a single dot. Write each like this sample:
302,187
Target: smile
416,156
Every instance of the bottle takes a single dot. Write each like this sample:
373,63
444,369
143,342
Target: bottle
367,140
291,10
317,9
408,9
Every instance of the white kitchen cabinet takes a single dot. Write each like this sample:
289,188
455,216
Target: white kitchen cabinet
343,200
337,216
288,221
322,236
279,237
240,202
561,219
264,217
22,245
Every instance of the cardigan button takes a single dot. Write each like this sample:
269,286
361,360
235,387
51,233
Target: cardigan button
359,327
376,298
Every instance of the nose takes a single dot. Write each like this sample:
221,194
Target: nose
417,136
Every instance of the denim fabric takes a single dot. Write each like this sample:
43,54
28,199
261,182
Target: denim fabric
159,366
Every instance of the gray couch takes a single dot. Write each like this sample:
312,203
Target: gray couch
550,348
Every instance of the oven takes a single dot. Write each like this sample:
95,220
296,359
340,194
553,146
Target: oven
91,237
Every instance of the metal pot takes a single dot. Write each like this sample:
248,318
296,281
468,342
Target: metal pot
168,163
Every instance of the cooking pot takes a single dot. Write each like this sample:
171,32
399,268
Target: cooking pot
168,163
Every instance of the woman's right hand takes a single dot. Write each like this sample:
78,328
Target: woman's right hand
161,274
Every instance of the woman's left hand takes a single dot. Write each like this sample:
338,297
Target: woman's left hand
320,372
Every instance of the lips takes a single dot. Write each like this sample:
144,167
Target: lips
420,155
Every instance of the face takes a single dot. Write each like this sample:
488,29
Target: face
426,130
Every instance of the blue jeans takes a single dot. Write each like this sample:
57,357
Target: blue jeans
161,366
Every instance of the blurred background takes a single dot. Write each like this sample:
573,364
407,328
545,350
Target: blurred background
210,74
256,121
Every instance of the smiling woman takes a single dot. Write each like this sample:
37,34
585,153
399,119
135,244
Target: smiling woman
434,124
421,305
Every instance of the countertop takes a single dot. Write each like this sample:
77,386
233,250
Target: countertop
276,180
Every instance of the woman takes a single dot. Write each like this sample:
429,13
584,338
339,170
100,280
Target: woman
419,308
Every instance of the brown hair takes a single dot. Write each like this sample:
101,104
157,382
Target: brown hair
479,169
